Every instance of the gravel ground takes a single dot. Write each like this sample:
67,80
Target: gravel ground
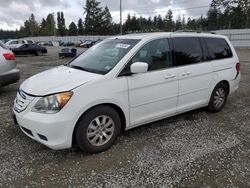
195,149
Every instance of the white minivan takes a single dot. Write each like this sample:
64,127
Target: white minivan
124,82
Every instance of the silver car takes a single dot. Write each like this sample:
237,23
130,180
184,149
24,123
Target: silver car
8,72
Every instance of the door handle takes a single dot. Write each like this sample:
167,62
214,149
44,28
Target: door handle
170,76
186,74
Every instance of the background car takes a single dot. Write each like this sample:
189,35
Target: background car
68,44
15,43
8,72
26,49
88,44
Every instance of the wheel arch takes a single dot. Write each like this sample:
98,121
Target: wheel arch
227,84
114,106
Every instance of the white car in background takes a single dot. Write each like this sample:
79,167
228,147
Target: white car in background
124,82
16,43
8,72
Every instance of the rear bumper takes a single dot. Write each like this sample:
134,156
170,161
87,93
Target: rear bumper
10,77
234,84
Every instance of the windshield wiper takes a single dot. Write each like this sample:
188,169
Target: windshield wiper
79,68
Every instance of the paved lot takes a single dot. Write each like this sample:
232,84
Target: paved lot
195,149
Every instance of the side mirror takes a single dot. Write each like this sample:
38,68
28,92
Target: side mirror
139,67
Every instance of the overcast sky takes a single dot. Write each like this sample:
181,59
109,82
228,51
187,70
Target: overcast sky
14,12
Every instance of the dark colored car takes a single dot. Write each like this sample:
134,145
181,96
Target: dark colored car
69,44
49,43
66,52
88,44
26,49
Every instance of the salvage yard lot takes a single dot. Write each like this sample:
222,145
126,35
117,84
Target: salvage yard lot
195,149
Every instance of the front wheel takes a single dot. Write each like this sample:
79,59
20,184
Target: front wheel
98,129
218,98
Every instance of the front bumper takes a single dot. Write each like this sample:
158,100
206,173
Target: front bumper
53,130
10,77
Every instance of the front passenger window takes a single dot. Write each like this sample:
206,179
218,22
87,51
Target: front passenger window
156,53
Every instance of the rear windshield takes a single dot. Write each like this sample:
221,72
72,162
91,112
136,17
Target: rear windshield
3,46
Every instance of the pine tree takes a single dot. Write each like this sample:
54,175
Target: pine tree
93,17
106,25
61,24
243,4
178,25
213,16
73,31
169,23
43,26
80,27
33,26
50,24
160,22
127,26
149,23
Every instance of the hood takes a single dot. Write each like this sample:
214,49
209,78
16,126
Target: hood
57,80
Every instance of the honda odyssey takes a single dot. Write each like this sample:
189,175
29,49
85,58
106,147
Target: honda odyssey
124,82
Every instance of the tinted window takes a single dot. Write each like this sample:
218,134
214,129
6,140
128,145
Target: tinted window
14,42
33,45
187,50
156,53
24,46
218,48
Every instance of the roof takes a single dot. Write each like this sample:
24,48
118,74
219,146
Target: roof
166,34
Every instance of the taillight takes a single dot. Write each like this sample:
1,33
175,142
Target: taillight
238,67
9,56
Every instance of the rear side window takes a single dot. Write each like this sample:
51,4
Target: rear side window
13,42
218,48
187,50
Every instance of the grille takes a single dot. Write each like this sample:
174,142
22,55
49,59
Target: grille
22,101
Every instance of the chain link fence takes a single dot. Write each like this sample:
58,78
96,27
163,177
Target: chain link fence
240,38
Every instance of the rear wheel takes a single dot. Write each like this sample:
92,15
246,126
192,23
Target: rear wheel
98,129
218,98
39,53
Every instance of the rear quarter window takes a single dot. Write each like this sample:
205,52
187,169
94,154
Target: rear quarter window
218,48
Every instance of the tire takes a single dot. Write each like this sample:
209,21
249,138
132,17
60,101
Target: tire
98,129
38,53
218,98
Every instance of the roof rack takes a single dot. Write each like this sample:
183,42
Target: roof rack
194,31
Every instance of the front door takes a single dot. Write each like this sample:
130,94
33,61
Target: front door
153,95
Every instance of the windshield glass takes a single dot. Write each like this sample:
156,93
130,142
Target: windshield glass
104,56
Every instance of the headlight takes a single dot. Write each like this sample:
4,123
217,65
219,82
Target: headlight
53,103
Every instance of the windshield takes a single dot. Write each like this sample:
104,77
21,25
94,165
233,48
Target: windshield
104,56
